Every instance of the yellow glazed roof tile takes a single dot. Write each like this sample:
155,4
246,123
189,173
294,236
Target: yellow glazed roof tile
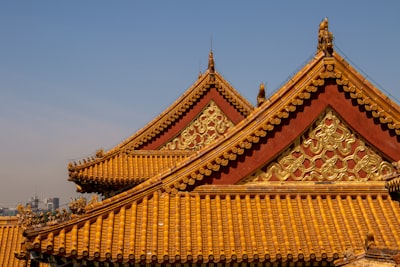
234,224
10,241
125,169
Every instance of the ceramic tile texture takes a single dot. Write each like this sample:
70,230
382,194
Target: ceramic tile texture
289,224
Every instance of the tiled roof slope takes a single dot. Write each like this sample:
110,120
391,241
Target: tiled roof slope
210,87
125,170
290,222
10,241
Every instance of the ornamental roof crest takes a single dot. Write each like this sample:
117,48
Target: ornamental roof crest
325,39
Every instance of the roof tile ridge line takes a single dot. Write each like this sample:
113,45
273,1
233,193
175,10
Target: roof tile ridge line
99,209
241,139
116,149
337,188
373,100
390,105
317,59
201,81
130,153
286,91
125,198
160,152
197,86
245,103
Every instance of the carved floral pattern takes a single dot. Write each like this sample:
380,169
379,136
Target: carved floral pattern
330,151
211,124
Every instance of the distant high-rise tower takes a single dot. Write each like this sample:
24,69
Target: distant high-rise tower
52,204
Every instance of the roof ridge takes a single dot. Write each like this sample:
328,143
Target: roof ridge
93,161
173,112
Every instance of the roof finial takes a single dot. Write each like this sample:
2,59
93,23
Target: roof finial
200,74
261,95
211,67
325,38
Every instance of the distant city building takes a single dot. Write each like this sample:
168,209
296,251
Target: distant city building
53,204
34,203
46,204
50,204
8,212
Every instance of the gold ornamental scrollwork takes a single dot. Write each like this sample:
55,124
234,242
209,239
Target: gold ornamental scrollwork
207,127
329,151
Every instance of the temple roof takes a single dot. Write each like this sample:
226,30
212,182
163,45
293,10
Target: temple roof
208,100
197,211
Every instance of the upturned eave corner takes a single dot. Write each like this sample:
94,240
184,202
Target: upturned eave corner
392,182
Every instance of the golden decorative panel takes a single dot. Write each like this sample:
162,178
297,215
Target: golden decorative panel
207,127
329,151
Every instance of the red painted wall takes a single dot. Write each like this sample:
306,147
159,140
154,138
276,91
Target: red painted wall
274,143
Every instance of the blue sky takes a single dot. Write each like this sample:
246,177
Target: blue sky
76,76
